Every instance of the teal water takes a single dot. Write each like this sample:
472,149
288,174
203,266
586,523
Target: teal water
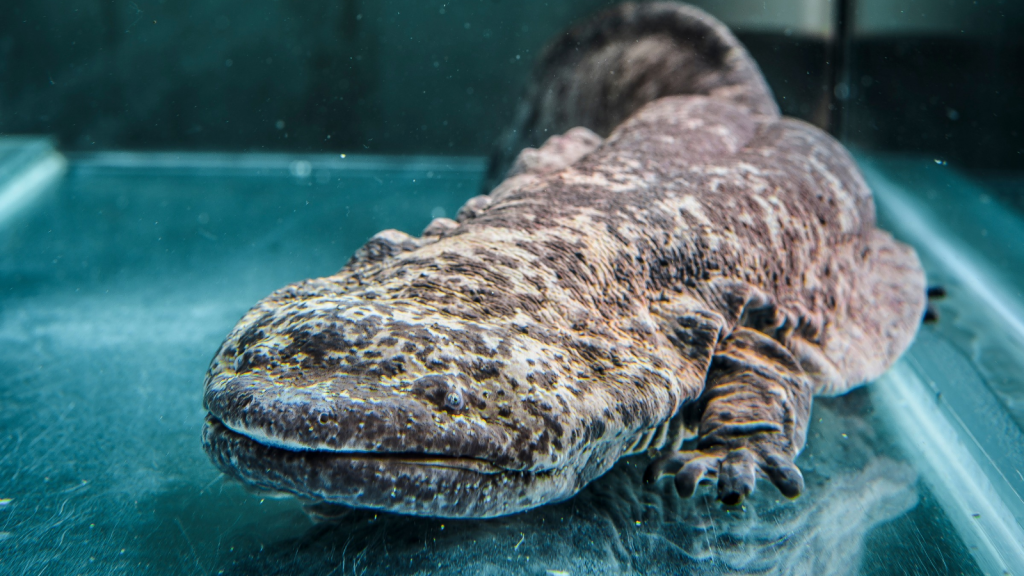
117,286
970,243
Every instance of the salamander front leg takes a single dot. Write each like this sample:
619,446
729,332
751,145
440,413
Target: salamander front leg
757,405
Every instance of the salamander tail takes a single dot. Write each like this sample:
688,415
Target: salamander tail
600,72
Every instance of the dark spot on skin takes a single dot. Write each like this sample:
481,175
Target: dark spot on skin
392,367
434,390
482,370
251,360
593,430
543,379
251,336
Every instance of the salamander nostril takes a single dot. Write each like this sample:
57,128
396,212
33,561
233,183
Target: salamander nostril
454,400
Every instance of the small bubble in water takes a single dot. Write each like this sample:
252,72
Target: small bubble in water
279,124
300,168
438,212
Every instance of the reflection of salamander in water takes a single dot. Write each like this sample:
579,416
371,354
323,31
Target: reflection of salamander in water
703,270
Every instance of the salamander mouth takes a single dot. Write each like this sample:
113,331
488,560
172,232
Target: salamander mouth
402,482
468,463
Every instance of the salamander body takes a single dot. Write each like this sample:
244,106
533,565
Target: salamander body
676,263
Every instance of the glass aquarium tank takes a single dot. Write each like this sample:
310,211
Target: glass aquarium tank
165,165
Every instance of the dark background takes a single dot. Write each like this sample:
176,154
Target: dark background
415,76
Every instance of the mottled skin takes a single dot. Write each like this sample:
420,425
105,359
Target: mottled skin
703,271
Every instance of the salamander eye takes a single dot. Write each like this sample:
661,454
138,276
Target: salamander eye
453,400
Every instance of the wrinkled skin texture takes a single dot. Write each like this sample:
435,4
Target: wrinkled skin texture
704,270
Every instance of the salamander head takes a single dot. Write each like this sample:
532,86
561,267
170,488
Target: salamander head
393,405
